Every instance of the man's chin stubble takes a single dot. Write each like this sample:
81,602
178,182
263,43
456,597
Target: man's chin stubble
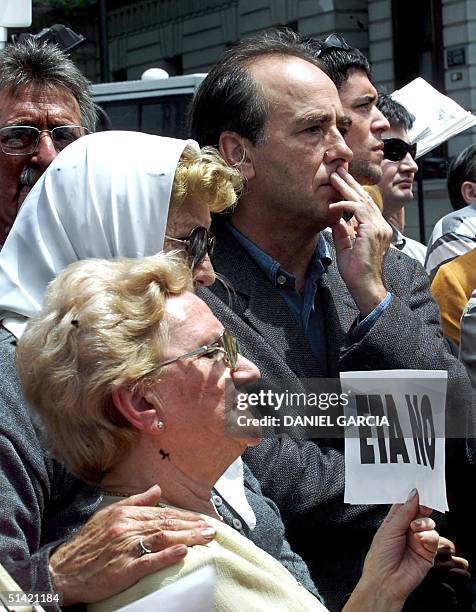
365,172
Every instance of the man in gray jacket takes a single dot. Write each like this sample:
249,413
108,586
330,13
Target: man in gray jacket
307,304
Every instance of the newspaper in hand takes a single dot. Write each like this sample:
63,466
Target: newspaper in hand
437,117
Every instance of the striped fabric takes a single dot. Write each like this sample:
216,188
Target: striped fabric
406,245
452,236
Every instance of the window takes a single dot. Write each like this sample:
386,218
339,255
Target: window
418,41
164,115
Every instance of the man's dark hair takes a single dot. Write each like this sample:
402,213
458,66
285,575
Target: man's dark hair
462,168
230,99
338,62
395,113
31,63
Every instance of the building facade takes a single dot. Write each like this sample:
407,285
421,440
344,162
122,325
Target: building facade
435,39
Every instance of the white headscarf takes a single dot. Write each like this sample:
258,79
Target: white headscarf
106,195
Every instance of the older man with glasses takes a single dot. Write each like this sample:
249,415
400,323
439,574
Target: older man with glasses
44,106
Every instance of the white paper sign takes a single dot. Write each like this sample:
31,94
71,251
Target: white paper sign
400,443
437,117
194,593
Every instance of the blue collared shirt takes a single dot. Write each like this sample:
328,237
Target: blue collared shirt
304,306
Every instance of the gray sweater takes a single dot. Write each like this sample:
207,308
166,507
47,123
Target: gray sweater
269,531
40,503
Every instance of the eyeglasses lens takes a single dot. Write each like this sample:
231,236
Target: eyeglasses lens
18,140
65,135
200,243
230,344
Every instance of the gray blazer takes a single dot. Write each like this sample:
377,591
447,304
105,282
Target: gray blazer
41,505
305,478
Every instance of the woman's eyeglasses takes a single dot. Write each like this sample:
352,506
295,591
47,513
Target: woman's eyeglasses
395,149
225,342
198,244
24,139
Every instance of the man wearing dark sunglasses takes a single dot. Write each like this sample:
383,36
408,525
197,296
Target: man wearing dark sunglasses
398,171
44,106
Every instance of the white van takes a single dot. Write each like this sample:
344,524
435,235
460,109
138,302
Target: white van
156,106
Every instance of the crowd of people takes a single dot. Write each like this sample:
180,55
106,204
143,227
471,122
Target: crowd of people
141,275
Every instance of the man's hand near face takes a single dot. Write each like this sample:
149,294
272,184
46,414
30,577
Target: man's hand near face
360,261
104,557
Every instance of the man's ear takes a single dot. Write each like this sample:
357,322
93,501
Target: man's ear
235,150
141,410
468,191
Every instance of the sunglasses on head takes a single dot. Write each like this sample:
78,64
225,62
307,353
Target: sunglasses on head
333,41
198,244
395,149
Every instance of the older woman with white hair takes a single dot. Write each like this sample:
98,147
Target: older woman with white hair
109,195
135,381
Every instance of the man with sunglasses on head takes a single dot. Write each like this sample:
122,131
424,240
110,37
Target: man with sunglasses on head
350,72
45,104
398,171
306,305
